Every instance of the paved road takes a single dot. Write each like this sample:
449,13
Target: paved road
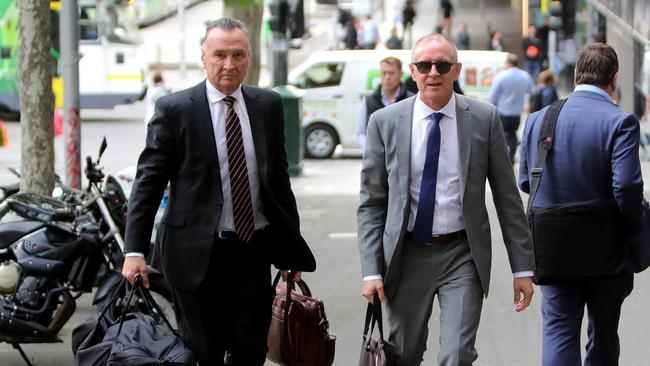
327,199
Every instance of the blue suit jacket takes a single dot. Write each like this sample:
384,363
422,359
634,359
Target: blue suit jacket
595,154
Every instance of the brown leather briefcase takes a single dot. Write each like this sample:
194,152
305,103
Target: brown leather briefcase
299,332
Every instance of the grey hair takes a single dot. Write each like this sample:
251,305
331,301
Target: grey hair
227,24
437,37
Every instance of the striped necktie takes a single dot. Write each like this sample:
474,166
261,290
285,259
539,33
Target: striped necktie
242,204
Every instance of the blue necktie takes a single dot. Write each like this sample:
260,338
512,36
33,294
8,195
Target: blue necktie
422,229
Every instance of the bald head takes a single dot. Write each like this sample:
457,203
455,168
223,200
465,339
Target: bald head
430,38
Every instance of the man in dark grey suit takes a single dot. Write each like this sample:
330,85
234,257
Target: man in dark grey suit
231,212
422,222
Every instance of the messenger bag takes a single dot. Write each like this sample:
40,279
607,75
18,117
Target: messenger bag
573,240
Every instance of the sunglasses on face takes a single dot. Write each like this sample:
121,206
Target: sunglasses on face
442,66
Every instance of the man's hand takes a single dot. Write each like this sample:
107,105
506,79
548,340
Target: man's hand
372,286
523,286
296,275
134,266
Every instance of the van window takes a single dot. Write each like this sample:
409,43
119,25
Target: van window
321,75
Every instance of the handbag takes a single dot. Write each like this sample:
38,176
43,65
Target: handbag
572,240
133,339
373,351
299,331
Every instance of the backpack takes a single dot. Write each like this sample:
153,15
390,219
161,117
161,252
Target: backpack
535,101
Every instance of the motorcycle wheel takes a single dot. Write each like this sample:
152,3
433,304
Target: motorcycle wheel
159,291
163,297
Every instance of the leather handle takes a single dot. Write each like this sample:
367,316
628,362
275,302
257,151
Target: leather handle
304,289
373,314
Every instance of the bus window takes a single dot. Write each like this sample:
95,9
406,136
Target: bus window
88,29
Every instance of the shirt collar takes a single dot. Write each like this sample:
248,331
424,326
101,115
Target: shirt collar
594,89
214,95
383,95
422,111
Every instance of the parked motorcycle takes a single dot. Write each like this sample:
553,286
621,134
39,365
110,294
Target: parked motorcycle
59,249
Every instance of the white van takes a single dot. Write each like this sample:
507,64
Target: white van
335,81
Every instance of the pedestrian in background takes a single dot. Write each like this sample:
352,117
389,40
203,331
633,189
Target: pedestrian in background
369,33
533,52
394,42
408,16
640,114
447,10
495,43
156,90
231,212
350,35
509,94
545,92
595,155
391,90
462,37
423,227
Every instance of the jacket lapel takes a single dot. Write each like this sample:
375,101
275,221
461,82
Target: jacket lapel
463,120
255,108
200,114
403,123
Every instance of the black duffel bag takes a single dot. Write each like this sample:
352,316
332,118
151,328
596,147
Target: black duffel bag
133,339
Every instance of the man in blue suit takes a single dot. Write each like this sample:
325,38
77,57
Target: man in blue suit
595,155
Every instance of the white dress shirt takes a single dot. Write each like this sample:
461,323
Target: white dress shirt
218,110
448,211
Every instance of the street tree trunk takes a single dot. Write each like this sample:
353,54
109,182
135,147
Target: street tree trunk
36,97
250,12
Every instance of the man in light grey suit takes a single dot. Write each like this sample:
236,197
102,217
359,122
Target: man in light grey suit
417,243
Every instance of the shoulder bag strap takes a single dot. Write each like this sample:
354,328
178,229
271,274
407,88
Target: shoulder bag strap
544,144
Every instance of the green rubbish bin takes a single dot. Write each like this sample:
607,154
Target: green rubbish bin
292,100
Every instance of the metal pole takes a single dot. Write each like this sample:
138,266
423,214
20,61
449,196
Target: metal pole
552,49
280,47
69,28
181,43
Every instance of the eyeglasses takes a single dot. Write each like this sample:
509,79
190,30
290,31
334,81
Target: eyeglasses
442,66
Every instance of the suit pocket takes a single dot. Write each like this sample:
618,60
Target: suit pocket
175,219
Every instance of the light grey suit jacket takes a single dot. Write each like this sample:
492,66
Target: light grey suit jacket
384,207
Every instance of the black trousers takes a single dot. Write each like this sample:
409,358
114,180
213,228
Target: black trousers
510,126
230,313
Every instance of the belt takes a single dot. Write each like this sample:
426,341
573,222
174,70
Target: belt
231,235
227,235
443,239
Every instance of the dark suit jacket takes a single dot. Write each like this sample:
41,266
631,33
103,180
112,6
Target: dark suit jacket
181,149
595,154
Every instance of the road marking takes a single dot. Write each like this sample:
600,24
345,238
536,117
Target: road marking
342,235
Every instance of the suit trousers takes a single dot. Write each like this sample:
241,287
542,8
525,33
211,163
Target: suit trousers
447,271
236,323
562,312
510,126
